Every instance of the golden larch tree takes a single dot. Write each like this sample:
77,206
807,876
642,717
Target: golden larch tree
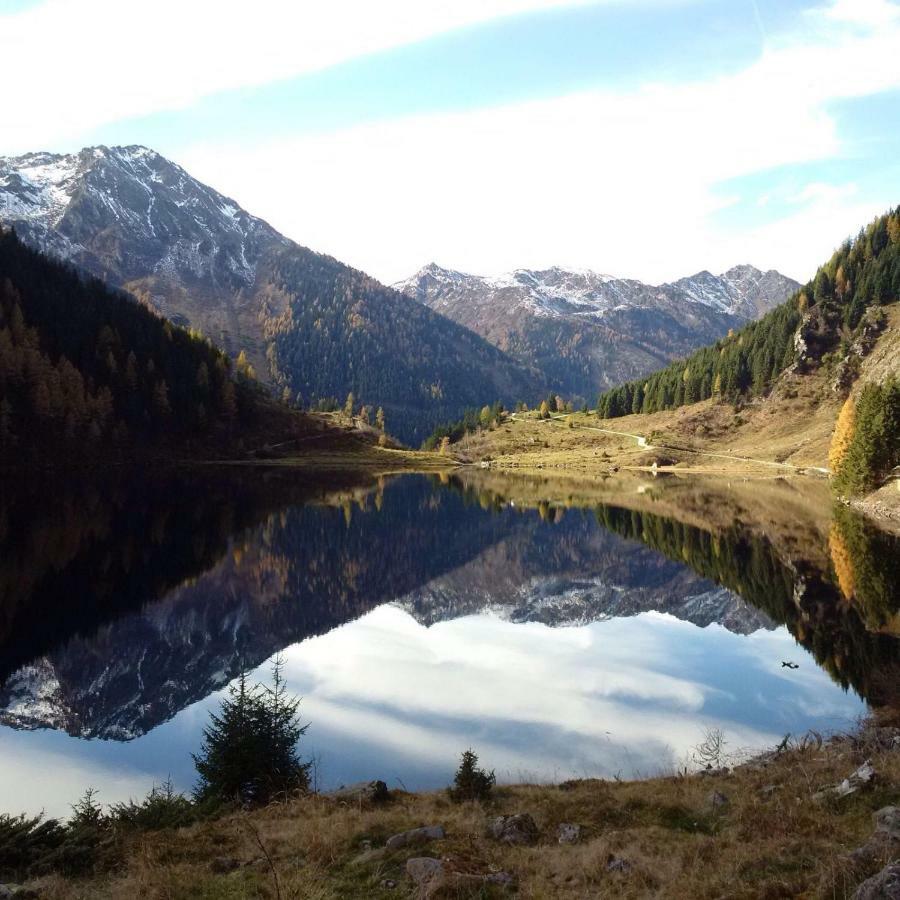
843,434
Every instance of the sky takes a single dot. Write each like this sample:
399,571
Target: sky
640,138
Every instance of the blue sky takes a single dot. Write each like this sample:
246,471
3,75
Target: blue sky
649,138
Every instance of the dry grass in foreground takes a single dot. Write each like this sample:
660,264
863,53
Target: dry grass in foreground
661,837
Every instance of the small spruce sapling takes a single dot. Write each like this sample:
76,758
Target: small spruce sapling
471,781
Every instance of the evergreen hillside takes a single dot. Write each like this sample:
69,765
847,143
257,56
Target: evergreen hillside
341,331
84,370
824,315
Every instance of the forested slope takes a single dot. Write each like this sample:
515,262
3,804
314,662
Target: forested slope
85,372
824,316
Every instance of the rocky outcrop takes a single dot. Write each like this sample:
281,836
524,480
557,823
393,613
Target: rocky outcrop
519,829
435,878
883,886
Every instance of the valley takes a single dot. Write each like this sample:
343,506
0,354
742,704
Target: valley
450,450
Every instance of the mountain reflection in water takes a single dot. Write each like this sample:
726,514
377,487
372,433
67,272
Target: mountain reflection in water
593,640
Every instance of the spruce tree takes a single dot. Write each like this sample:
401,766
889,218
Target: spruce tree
471,781
249,752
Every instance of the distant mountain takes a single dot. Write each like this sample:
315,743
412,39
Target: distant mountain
308,323
588,331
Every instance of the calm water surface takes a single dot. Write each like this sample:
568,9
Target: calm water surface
417,619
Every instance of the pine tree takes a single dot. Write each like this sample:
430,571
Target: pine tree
471,781
379,419
249,752
227,760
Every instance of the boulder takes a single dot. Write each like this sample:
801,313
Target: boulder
518,829
883,842
861,778
717,800
360,792
617,864
415,836
424,870
435,878
883,886
887,821
568,833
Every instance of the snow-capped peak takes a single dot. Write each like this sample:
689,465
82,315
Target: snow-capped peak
742,291
158,217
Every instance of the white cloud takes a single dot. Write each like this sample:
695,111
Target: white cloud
622,181
35,778
603,697
864,12
83,63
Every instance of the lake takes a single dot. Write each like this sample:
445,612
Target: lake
559,630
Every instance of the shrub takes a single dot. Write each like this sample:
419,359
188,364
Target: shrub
163,807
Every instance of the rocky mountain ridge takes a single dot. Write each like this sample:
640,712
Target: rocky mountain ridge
587,330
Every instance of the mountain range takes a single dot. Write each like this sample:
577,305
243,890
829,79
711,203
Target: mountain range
308,323
586,331
314,327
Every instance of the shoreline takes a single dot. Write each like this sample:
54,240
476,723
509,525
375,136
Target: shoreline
801,819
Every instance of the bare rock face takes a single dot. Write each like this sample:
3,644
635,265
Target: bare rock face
802,338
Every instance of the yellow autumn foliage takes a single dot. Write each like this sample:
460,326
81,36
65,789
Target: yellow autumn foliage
843,434
842,562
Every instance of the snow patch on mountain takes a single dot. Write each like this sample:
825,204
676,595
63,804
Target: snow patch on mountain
32,698
741,291
183,229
